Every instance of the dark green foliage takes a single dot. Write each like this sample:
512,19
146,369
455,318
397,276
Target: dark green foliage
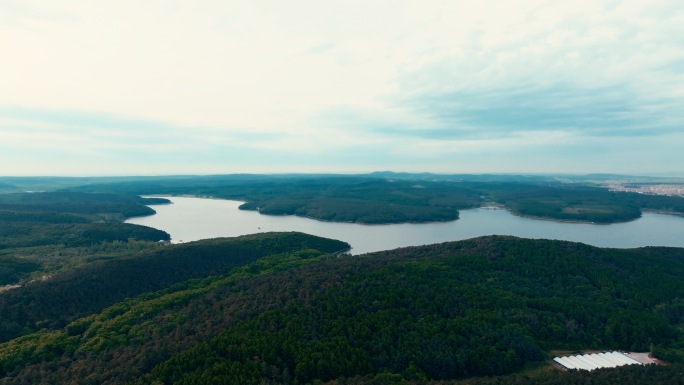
274,309
39,227
10,216
480,307
486,306
12,269
7,188
15,235
67,296
576,203
363,200
36,225
626,375
331,198
390,198
72,207
143,320
94,233
72,219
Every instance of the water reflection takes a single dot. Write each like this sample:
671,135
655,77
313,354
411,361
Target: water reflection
189,219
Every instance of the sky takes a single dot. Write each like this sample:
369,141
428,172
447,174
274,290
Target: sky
160,87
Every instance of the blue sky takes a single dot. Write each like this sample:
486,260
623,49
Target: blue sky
185,87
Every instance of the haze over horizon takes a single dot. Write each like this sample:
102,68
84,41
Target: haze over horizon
178,87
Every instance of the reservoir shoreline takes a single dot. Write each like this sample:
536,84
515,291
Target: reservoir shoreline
194,218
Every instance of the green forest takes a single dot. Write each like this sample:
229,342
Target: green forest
88,299
399,198
451,312
44,232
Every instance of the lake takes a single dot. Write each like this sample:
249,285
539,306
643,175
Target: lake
191,219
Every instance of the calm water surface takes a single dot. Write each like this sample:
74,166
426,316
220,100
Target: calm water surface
191,219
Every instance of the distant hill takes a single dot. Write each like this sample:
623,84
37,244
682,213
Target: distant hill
391,197
387,197
43,232
87,299
7,187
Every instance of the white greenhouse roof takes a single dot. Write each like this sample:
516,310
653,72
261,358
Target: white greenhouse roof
595,361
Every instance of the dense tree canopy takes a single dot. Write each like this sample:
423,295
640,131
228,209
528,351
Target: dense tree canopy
92,300
396,198
487,306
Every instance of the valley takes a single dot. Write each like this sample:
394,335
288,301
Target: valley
91,299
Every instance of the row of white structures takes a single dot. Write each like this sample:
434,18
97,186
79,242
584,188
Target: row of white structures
596,361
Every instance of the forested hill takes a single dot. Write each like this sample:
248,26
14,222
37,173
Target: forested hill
448,312
330,198
397,198
73,207
44,232
78,292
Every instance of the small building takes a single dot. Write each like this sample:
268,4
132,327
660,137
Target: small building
595,361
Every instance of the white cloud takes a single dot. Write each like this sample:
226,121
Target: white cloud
302,78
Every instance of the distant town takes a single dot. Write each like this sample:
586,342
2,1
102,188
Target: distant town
656,189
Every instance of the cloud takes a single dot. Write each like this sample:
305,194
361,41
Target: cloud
606,69
340,85
605,111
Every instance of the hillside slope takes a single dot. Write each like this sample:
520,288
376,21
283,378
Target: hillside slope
64,297
486,306
51,231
